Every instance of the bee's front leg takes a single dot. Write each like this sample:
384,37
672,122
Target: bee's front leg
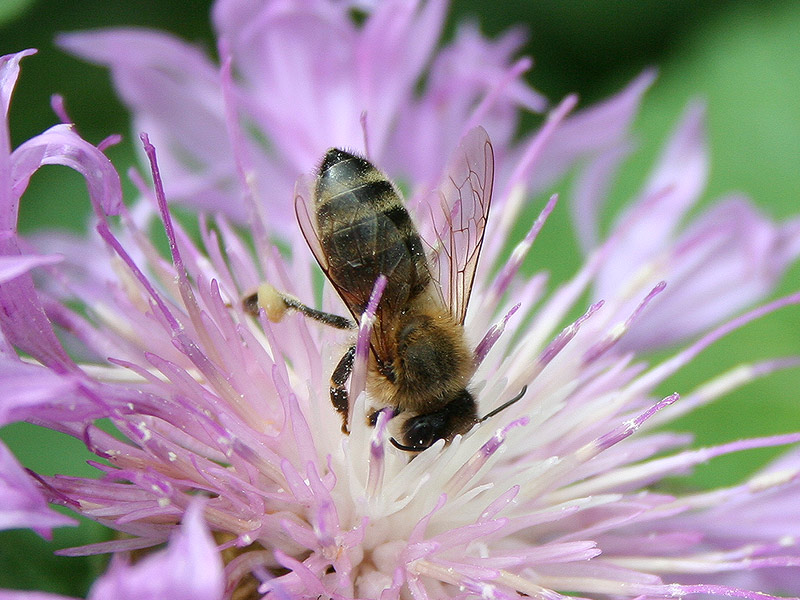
339,396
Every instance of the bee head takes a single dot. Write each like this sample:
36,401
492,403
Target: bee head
458,416
420,432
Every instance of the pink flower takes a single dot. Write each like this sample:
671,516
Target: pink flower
307,78
556,495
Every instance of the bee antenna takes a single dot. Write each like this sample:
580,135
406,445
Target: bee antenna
400,446
502,407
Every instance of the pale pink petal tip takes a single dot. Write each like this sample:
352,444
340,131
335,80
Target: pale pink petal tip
22,504
14,266
189,568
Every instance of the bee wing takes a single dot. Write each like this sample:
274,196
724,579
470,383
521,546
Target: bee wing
302,191
459,219
357,294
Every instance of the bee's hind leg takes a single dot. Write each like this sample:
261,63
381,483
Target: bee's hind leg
275,305
339,396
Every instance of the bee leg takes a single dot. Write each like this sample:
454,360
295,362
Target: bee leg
339,396
275,305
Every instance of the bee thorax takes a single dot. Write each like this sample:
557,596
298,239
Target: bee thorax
432,363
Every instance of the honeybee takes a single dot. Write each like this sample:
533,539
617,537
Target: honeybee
420,362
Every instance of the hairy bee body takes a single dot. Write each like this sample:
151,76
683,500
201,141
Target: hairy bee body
421,362
356,225
430,362
365,231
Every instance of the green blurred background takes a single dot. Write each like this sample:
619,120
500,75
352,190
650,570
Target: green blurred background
742,57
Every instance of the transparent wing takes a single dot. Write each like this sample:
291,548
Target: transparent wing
459,216
302,192
355,292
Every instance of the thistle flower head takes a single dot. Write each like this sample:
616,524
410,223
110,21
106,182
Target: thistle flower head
226,445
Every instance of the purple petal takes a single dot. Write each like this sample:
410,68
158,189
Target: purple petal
26,388
21,502
729,259
60,145
188,569
173,90
682,169
23,319
9,72
648,226
592,191
471,74
14,266
392,49
307,97
765,508
592,130
321,107
631,425
24,322
684,356
84,271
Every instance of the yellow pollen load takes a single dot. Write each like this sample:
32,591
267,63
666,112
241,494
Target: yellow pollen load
271,301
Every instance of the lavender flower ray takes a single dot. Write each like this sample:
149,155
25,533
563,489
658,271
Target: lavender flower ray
23,504
62,146
743,251
29,390
23,313
14,266
171,87
592,130
189,568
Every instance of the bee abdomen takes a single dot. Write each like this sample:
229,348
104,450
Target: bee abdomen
365,229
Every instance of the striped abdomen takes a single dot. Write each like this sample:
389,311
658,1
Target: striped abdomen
365,231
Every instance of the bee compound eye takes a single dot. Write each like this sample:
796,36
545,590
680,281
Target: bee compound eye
422,431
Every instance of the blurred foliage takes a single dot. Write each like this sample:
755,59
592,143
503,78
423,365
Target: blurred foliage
741,57
13,9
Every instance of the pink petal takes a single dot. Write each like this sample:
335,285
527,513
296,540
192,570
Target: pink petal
593,129
730,258
303,114
465,74
28,389
14,266
392,50
9,72
24,322
592,191
188,569
22,504
648,225
60,145
173,90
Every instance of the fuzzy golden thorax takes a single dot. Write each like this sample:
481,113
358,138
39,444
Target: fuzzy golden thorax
430,361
